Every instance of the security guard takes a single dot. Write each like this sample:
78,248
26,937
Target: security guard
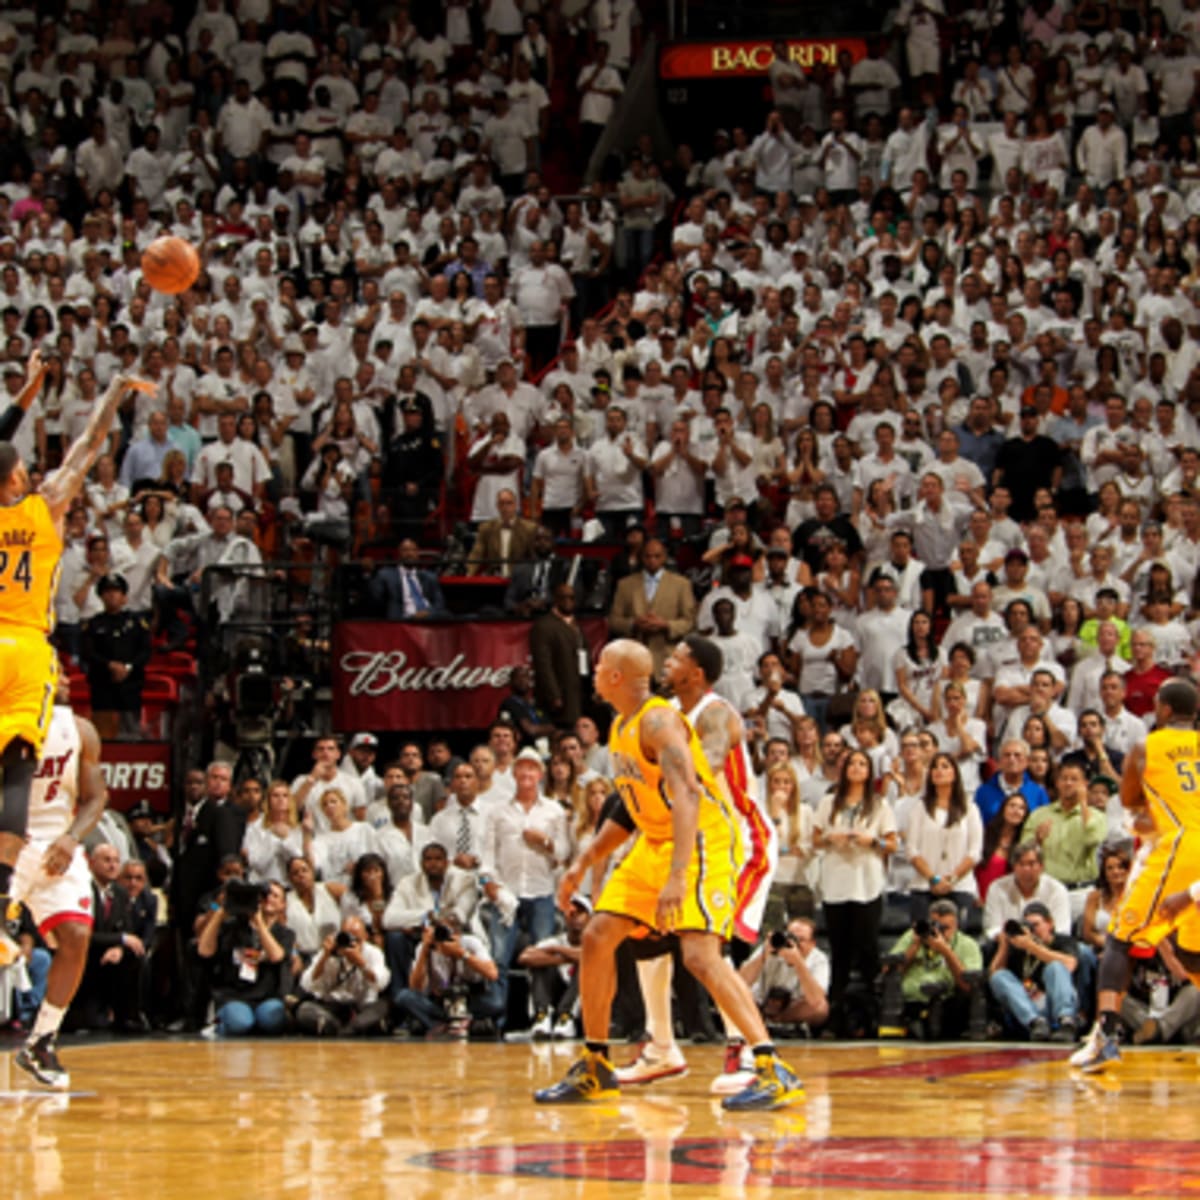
415,469
116,649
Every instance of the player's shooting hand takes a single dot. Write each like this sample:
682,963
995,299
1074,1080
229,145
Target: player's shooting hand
58,857
1174,905
670,900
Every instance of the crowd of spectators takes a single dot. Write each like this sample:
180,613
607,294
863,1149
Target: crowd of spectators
894,397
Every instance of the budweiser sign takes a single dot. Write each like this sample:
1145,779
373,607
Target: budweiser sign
397,675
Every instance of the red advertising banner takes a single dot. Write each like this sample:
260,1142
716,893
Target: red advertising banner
745,59
397,675
137,771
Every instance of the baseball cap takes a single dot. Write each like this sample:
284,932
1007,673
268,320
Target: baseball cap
1016,554
364,739
110,582
1028,410
529,754
140,811
777,552
582,902
741,560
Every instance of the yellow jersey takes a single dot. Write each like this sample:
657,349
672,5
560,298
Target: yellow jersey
640,781
1171,780
30,561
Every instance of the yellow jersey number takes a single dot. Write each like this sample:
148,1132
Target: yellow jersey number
22,573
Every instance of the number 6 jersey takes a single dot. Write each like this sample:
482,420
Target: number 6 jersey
56,784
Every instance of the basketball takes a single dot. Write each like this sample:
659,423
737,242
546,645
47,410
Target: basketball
170,265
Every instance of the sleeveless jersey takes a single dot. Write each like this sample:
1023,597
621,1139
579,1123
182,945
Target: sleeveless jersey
1171,780
640,781
56,784
30,560
737,775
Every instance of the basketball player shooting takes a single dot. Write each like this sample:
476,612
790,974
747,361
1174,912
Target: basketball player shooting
31,545
52,876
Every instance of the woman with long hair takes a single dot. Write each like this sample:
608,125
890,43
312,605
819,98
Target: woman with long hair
274,836
959,667
904,787
856,829
1103,899
867,714
918,664
823,657
368,895
839,580
791,893
561,782
1001,835
945,840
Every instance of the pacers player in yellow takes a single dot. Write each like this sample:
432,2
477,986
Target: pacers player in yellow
681,876
30,557
1161,784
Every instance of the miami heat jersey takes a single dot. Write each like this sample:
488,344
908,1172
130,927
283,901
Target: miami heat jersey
56,784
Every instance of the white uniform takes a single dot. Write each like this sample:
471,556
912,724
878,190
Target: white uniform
760,840
53,899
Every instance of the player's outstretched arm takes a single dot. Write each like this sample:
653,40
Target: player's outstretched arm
64,485
608,840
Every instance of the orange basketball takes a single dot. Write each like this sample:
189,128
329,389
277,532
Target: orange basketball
170,265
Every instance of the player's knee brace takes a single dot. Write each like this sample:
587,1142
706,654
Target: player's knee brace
1115,967
18,763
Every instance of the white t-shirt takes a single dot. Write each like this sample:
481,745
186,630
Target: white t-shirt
854,873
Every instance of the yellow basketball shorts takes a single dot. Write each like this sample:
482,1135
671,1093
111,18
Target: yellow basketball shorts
710,898
28,677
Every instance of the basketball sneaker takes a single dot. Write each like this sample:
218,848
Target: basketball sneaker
652,1064
10,924
775,1085
543,1027
738,1072
564,1028
1098,1052
590,1078
40,1059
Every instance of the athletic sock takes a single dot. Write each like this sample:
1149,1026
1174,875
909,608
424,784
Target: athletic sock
600,1048
6,873
654,976
1110,1024
49,1018
767,1048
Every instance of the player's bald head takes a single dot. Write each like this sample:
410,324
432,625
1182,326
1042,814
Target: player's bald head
631,659
1181,697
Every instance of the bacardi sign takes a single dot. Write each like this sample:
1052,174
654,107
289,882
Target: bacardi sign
741,59
410,675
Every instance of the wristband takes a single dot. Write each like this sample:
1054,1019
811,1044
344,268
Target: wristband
1194,892
934,880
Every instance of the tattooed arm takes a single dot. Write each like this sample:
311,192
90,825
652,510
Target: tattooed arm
63,486
719,729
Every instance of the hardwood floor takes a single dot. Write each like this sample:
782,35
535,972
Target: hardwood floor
238,1121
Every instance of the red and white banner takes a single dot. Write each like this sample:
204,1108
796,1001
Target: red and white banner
400,675
137,771
746,59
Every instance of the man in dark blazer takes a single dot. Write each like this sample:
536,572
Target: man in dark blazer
531,591
405,592
654,606
503,541
561,667
108,993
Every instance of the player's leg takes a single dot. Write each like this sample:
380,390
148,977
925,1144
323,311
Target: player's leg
1112,982
660,1057
38,1056
775,1083
591,1076
18,763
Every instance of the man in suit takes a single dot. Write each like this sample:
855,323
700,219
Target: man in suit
654,606
531,591
108,993
404,592
560,660
503,541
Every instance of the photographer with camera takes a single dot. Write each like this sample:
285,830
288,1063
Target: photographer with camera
1031,976
345,986
453,981
933,982
248,949
789,976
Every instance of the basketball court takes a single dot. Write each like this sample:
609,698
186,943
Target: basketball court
169,1119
